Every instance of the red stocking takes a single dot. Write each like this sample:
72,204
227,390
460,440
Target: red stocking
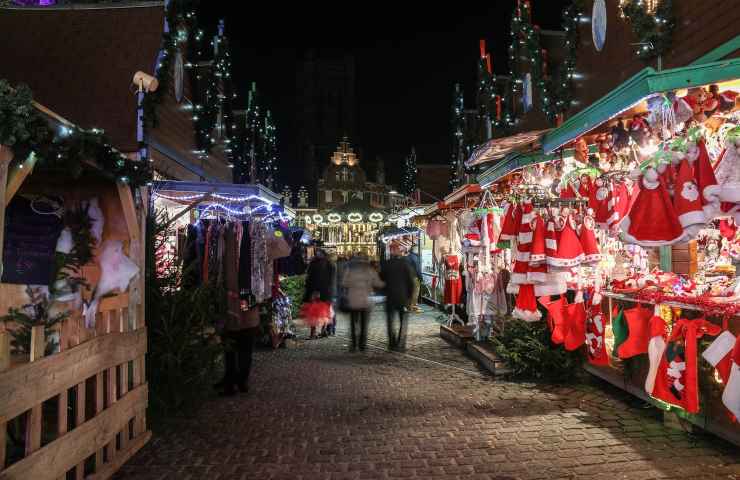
555,320
638,322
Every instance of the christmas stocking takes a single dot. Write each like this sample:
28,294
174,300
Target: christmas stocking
596,347
718,354
656,348
575,326
555,320
638,320
731,395
620,332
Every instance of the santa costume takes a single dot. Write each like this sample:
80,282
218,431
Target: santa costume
570,252
652,220
512,219
589,244
687,202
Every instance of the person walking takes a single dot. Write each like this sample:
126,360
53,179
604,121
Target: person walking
319,281
399,286
240,333
358,281
414,262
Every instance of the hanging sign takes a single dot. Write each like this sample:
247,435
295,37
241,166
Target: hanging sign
598,24
30,243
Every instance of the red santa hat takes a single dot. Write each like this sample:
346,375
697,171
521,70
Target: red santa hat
731,394
551,236
687,201
570,251
652,220
537,255
526,305
523,245
705,179
589,244
512,218
620,203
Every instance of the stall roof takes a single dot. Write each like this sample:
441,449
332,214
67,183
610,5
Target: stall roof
498,148
188,192
461,192
644,84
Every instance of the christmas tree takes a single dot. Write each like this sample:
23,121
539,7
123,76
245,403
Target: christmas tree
267,167
408,182
458,153
249,144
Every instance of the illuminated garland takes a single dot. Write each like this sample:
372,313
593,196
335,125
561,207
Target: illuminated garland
458,135
408,182
24,129
652,24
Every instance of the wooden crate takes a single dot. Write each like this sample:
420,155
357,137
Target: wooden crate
101,371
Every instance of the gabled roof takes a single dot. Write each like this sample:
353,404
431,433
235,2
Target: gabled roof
80,60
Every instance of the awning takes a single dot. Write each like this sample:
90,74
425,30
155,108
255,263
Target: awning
498,148
644,84
461,192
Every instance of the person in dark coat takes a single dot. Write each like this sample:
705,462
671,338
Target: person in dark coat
399,287
319,281
413,259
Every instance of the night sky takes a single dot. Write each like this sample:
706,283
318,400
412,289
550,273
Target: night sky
407,58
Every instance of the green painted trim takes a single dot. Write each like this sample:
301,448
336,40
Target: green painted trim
509,163
720,52
646,83
666,258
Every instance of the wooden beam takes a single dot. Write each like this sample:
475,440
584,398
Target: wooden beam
38,342
18,176
23,386
129,210
99,407
33,421
6,156
106,471
4,350
56,458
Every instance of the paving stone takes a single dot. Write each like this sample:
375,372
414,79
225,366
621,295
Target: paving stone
317,412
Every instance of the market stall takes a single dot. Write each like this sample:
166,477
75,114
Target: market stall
73,337
238,237
624,240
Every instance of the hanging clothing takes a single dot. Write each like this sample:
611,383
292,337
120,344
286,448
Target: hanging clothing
453,282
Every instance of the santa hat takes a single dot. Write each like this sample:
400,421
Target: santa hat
705,178
512,218
687,202
728,171
551,236
523,245
731,394
570,251
588,240
602,202
727,100
526,305
656,347
652,220
537,254
683,108
620,203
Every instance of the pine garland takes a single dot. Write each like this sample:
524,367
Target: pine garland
654,30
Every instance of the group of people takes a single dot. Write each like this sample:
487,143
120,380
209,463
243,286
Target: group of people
351,283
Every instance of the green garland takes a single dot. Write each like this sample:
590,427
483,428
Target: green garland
654,30
24,129
561,85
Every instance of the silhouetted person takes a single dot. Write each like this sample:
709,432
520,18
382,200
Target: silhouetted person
399,287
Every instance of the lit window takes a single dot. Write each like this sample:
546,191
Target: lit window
327,195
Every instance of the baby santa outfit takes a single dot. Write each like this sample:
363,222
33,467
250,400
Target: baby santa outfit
510,225
687,201
526,303
652,220
589,244
595,328
569,249
706,181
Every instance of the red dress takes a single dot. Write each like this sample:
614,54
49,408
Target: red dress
453,282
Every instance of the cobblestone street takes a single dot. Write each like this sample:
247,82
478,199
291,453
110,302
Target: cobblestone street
317,412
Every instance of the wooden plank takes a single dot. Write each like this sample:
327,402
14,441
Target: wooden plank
33,429
129,210
38,342
3,443
99,407
63,417
35,382
4,350
114,303
6,156
123,456
80,416
56,458
18,176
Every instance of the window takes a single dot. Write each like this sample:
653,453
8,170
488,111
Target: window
327,195
358,195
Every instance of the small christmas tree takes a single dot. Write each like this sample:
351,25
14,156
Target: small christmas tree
408,182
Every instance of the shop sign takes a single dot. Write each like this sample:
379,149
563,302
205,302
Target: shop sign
598,24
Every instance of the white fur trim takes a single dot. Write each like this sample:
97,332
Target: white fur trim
656,347
527,217
506,236
692,218
596,257
712,192
551,243
730,192
720,348
565,262
518,278
596,300
544,289
525,237
512,288
536,277
731,394
627,238
522,256
526,315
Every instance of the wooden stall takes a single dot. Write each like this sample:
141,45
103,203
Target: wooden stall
80,411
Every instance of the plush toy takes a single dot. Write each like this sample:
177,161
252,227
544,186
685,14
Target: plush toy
639,130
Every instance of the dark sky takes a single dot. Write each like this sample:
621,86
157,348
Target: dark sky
408,58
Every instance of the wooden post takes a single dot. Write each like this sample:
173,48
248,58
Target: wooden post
6,156
81,402
4,365
33,424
